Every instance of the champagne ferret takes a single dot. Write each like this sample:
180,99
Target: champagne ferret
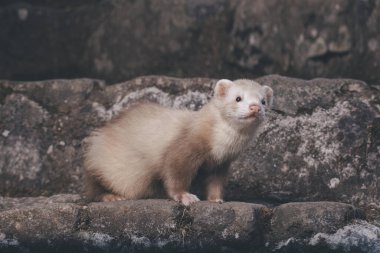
149,146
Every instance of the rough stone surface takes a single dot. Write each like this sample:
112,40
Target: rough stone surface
117,40
64,222
61,222
321,141
301,220
359,236
41,133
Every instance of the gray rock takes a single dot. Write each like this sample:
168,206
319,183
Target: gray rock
37,224
359,236
301,220
42,134
233,222
62,223
131,226
118,40
8,203
321,141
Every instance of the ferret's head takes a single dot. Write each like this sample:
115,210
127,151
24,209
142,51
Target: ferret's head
242,102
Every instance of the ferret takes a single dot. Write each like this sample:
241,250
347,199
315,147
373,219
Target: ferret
149,145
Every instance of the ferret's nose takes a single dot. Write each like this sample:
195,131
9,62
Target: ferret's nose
254,108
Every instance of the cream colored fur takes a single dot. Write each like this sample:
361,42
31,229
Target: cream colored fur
150,143
127,155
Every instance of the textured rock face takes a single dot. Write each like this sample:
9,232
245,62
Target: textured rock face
116,40
301,220
321,141
63,222
41,135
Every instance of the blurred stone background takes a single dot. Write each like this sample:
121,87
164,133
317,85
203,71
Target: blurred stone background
320,145
116,40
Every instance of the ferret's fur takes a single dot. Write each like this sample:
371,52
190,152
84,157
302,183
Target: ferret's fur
149,147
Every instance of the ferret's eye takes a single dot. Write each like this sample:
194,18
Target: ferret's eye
263,101
238,99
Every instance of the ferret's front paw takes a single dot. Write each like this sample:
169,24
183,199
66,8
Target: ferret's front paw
186,198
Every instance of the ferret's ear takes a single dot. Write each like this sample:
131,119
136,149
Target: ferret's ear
222,87
268,96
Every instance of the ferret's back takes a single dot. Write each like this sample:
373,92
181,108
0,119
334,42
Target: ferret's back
138,137
148,125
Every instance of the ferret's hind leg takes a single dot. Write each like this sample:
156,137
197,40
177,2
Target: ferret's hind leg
92,187
95,191
109,197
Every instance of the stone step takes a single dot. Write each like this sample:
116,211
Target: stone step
66,223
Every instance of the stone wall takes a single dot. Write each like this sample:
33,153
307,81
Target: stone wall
116,40
320,143
62,223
